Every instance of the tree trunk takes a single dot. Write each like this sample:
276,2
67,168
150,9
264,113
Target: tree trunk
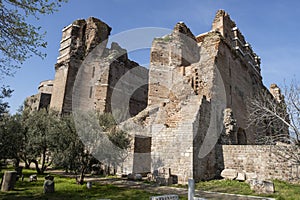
26,161
38,170
27,164
81,177
43,167
17,162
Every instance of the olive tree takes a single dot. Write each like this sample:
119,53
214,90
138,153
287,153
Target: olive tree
41,136
92,140
11,138
20,39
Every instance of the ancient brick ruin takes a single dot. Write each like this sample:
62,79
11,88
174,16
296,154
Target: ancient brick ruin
194,102
42,98
196,84
78,41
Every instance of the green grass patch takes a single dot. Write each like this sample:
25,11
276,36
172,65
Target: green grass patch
66,188
225,186
166,38
283,190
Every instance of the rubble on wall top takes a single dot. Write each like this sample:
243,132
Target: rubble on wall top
45,82
79,22
81,37
221,12
200,37
116,52
94,19
180,31
276,92
235,39
273,85
181,27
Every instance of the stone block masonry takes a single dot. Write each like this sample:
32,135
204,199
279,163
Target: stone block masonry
78,39
266,161
90,77
194,96
192,81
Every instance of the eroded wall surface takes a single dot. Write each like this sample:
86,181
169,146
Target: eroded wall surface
198,90
87,72
266,162
194,97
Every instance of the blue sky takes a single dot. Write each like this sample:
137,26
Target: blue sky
271,27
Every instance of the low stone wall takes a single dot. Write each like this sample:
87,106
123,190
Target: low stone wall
267,162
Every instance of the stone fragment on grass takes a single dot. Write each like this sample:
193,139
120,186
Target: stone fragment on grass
230,174
33,178
8,181
262,187
251,176
48,186
241,176
135,177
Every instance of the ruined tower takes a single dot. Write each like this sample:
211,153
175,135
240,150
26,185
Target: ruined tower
87,71
193,102
78,39
193,82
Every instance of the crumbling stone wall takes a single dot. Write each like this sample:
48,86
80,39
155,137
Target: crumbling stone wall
46,87
239,67
192,80
276,92
107,79
78,40
89,71
265,161
38,101
42,98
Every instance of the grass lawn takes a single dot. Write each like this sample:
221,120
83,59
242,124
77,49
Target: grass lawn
283,190
66,188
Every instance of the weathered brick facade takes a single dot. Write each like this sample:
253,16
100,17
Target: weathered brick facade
42,98
198,87
267,162
87,72
192,81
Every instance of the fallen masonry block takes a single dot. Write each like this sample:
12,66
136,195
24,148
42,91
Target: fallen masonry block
230,174
262,187
241,176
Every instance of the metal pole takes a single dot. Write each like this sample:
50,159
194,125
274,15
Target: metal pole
191,192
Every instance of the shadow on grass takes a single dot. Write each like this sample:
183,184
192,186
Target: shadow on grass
66,188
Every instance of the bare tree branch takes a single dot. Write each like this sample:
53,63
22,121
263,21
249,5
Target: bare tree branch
277,120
